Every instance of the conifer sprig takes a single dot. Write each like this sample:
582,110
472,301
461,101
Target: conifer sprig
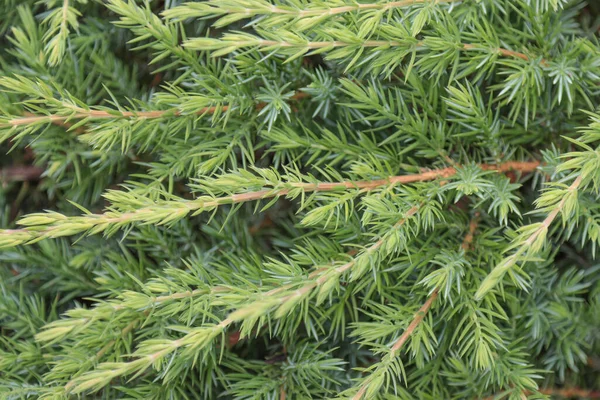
316,12
91,115
60,22
557,199
530,241
299,46
54,225
371,385
277,302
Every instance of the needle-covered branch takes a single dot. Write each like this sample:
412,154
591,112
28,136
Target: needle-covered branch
275,303
105,127
91,115
300,46
377,374
371,386
317,12
53,225
557,199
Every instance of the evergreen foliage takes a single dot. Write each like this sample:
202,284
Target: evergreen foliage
295,199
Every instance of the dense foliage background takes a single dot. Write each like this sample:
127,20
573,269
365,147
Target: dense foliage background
264,199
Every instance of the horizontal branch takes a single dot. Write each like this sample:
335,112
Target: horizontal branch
384,43
505,53
114,114
53,225
238,41
217,7
358,7
20,173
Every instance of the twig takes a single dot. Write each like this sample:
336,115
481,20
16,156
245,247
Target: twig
468,240
417,319
499,270
239,314
20,173
62,120
274,44
318,12
62,123
420,314
101,222
282,394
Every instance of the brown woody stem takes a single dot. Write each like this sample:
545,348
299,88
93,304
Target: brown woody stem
420,314
100,114
187,206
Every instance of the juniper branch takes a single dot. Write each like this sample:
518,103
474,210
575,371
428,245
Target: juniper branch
128,301
397,346
59,21
371,385
230,42
54,225
530,242
278,301
234,11
91,115
428,83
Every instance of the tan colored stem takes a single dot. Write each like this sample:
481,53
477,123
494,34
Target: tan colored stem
503,52
415,322
417,319
192,205
420,314
282,394
387,43
20,173
468,240
99,114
